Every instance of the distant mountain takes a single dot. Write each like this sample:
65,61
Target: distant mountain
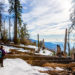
33,40
53,45
49,45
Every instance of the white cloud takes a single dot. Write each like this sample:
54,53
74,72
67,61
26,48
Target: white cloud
7,1
4,1
46,17
23,1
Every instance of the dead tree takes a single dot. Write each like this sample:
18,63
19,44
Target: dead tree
38,43
68,41
59,52
65,43
43,44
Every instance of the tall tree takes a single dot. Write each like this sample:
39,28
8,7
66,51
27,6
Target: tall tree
72,17
16,9
4,30
72,27
9,28
24,32
68,42
1,10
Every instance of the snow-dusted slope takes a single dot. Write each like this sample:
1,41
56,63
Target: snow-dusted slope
29,46
42,52
20,67
7,48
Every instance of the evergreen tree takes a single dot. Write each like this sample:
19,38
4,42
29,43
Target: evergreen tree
24,32
4,36
72,17
9,28
72,27
16,9
1,10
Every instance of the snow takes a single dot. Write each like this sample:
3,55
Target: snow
22,45
7,49
43,68
45,52
20,67
29,46
42,52
59,69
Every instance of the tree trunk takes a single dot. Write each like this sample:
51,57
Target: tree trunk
9,30
65,43
0,25
38,43
15,23
68,44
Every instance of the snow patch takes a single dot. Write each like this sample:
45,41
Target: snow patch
45,52
19,67
59,69
7,49
42,52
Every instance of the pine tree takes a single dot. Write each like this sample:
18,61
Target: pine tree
1,10
9,28
16,9
24,32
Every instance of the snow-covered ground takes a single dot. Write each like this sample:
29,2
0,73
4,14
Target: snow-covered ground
42,52
7,49
20,67
59,69
45,52
29,46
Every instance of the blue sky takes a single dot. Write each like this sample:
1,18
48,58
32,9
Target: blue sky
48,18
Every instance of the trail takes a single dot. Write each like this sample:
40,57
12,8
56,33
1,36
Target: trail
20,67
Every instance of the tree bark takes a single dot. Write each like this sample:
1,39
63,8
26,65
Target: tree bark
9,30
68,43
0,25
15,23
65,43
